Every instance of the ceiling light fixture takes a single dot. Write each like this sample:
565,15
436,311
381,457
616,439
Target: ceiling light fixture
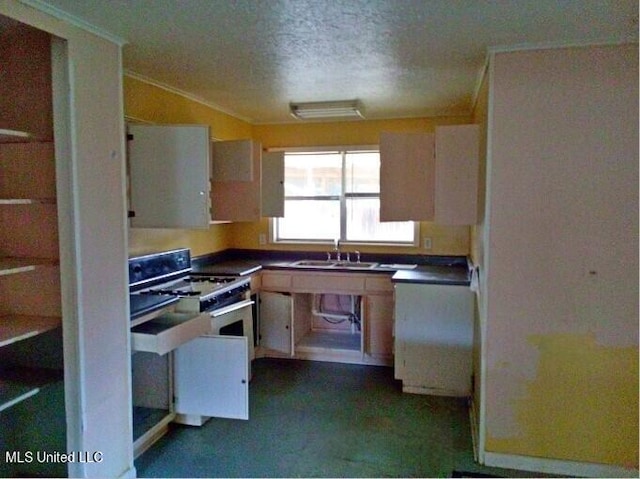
326,110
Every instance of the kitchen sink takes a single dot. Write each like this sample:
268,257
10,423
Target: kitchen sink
327,264
312,263
355,265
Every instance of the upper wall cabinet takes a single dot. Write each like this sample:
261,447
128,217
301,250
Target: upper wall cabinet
273,184
407,176
246,184
169,176
430,177
233,160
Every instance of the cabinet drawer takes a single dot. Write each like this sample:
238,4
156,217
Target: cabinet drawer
328,283
276,281
169,331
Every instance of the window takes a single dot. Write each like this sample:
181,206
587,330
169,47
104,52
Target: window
336,194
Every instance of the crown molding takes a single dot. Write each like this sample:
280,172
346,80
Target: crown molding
557,45
185,94
75,21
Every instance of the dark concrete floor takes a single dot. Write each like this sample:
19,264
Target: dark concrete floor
315,419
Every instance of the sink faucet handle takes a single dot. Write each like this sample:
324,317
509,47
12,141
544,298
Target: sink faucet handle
348,257
328,256
357,256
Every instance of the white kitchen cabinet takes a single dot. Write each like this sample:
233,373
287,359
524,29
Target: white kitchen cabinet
169,175
433,338
407,176
233,160
457,150
219,386
272,184
276,320
436,173
246,184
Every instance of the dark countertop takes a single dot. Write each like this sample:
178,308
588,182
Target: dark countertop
446,275
141,304
229,267
450,270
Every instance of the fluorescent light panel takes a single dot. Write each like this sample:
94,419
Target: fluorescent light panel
326,109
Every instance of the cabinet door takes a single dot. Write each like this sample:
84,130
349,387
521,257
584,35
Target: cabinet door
234,199
276,322
169,174
379,325
273,184
232,160
457,160
434,338
212,377
407,176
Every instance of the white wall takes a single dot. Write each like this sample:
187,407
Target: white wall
561,256
94,247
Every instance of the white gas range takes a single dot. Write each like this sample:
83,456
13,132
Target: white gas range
169,274
209,368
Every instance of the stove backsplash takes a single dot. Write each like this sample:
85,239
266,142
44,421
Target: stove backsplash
156,266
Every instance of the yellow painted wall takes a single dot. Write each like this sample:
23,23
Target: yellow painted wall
149,103
446,240
578,383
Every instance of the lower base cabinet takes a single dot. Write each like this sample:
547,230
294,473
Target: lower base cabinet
292,326
434,338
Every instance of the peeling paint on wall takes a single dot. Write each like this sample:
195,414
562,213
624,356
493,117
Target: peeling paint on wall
582,405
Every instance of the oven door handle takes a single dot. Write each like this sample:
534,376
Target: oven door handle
231,307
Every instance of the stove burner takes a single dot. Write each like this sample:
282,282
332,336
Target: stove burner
188,293
209,279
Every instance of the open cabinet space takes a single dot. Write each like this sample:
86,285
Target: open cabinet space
327,323
32,405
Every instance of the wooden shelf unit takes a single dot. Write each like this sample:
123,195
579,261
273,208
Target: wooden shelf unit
29,246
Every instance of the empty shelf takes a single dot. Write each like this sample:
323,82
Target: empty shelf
15,328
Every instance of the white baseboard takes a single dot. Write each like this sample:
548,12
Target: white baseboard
556,466
129,473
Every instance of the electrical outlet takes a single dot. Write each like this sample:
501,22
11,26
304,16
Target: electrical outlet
426,242
262,239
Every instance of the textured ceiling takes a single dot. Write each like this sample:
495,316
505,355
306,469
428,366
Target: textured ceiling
400,58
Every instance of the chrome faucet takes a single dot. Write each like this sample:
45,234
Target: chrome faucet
336,248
